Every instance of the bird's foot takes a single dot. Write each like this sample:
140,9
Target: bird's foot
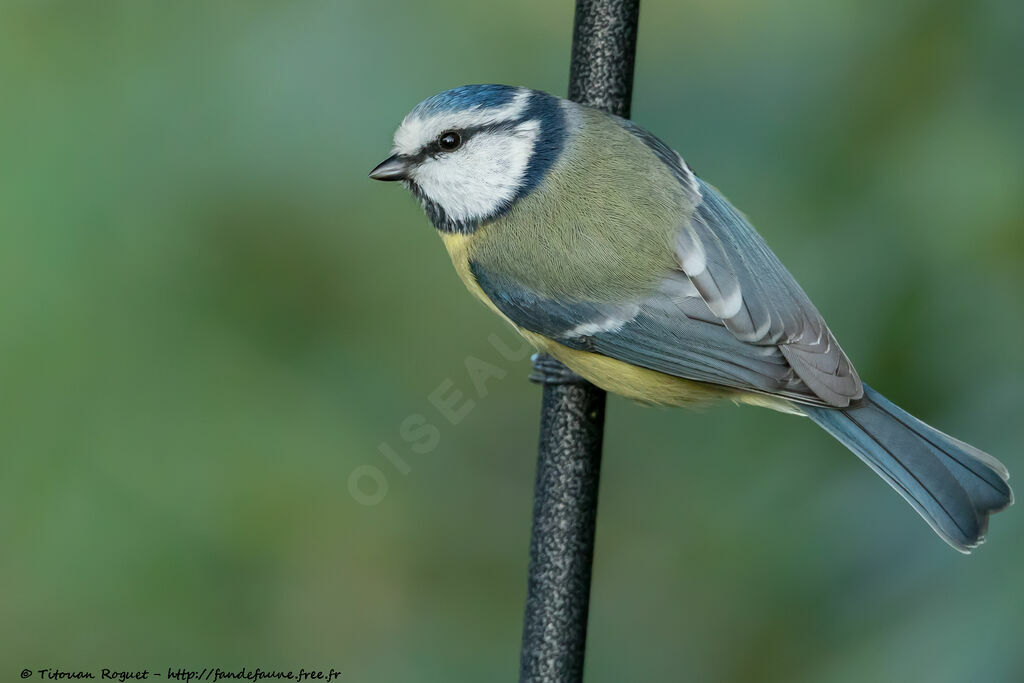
547,370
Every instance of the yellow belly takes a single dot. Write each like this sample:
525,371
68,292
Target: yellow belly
630,381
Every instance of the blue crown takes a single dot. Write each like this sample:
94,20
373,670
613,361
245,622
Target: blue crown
465,97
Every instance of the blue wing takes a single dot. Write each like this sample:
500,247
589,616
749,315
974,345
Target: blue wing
671,331
747,287
755,297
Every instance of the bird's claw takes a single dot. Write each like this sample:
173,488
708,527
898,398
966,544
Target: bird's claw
547,370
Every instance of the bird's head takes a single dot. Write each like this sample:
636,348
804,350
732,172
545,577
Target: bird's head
470,153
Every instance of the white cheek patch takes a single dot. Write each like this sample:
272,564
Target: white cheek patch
478,179
417,131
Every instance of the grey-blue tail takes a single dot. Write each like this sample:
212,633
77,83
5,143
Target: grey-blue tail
953,485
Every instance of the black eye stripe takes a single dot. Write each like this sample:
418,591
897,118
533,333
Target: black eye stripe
433,148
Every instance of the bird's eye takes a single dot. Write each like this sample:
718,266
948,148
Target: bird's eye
449,141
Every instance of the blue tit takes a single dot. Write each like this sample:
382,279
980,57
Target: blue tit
599,244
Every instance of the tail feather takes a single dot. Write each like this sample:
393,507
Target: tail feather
952,485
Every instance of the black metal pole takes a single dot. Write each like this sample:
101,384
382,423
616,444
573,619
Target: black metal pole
572,410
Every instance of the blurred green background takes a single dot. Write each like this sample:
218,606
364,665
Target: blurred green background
210,317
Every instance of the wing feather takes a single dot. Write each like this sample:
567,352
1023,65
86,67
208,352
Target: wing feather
775,310
671,331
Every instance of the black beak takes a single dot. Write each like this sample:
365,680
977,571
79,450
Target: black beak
393,168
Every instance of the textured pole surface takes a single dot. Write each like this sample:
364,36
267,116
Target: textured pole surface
603,51
572,410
